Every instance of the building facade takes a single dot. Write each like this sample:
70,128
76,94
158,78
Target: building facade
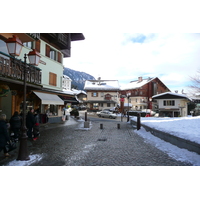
44,82
172,104
101,94
141,91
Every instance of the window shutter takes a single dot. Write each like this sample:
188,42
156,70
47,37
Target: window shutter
59,57
47,50
52,79
37,46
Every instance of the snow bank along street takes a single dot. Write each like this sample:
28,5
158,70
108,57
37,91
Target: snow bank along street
184,127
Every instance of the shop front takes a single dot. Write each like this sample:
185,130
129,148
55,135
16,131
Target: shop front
49,106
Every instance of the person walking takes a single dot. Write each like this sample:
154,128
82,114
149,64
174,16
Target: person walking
4,136
15,125
30,121
36,126
64,114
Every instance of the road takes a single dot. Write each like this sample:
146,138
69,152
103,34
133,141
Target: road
110,146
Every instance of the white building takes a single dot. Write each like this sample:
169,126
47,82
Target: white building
172,104
102,94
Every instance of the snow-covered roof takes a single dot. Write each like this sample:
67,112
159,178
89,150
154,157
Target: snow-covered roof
101,85
76,92
173,94
68,92
67,77
136,84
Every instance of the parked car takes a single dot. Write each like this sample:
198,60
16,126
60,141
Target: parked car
107,114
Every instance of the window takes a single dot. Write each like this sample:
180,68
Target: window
52,54
28,44
53,109
94,94
52,79
101,104
168,102
102,94
108,104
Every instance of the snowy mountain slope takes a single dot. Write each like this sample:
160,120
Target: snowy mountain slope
78,78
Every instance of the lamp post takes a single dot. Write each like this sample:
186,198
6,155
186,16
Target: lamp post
14,46
128,94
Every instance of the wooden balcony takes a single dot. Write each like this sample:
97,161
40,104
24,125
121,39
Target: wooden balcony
13,69
60,39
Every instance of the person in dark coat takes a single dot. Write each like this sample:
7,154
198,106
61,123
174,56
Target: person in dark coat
4,137
15,124
36,126
30,121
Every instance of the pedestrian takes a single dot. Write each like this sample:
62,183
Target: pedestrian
30,121
4,136
64,114
15,125
36,126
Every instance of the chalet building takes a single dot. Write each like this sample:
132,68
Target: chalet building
141,91
172,104
101,94
44,82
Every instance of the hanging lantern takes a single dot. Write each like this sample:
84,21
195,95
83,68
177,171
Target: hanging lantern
34,57
14,45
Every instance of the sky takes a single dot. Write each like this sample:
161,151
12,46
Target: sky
172,57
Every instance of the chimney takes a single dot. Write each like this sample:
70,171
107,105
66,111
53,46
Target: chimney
140,79
99,79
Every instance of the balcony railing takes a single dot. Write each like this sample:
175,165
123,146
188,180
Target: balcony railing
12,68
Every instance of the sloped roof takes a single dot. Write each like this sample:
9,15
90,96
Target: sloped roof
170,95
136,84
101,85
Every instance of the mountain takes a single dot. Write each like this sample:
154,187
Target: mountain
78,78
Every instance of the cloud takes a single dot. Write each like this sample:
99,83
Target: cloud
124,57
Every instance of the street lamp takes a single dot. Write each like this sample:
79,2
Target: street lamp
14,46
128,94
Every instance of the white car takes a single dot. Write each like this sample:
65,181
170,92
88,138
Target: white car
107,114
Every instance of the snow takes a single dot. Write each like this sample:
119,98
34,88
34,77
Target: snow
173,151
33,158
173,94
184,127
104,85
136,84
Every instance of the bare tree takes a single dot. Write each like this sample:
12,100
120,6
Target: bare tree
195,81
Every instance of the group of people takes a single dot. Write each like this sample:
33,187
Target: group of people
13,128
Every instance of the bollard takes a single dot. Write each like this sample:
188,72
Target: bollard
118,126
101,126
138,121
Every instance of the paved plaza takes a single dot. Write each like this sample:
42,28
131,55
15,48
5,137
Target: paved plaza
68,145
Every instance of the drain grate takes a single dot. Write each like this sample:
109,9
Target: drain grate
102,139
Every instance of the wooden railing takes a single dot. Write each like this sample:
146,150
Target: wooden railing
14,69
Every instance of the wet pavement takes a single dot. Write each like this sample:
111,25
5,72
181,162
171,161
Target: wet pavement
68,144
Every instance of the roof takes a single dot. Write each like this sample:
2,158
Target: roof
136,84
77,92
101,85
170,95
77,36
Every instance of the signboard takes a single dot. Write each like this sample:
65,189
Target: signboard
122,99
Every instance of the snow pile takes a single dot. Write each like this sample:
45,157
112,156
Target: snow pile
33,158
183,127
173,151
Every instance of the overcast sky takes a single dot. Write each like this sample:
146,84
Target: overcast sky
173,58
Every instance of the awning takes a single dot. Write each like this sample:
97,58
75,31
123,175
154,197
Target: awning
68,99
49,98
